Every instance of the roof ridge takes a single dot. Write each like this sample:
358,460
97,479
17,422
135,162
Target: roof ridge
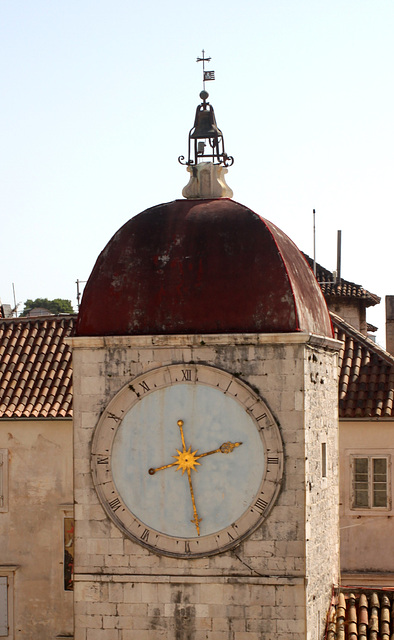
331,287
33,319
371,344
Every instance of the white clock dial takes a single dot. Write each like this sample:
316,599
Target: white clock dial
187,460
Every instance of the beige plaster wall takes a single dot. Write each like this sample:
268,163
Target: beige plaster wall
354,314
40,486
124,592
367,540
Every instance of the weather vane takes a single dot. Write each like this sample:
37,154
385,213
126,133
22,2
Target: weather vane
206,75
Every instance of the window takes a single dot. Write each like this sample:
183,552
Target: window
67,522
7,573
324,460
370,482
3,607
68,553
3,480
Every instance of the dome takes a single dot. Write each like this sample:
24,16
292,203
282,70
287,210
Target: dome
201,266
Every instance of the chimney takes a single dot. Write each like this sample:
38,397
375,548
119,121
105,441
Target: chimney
390,324
5,311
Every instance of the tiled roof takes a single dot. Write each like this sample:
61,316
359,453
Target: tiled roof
36,371
366,380
361,615
35,367
343,288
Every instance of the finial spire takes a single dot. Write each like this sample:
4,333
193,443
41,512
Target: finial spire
207,159
208,138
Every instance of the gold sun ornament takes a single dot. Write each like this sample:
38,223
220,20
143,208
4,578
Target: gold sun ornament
186,460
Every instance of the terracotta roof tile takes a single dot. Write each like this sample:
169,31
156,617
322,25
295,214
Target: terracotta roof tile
366,374
361,614
35,367
343,288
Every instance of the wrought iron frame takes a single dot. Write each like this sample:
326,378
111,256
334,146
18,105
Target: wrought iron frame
216,142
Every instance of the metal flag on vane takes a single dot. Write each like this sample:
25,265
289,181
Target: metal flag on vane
206,75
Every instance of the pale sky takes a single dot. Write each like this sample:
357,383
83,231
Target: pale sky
98,98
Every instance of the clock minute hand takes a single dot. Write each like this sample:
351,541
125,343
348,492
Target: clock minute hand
226,447
196,519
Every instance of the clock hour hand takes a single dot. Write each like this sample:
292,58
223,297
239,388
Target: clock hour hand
226,447
189,458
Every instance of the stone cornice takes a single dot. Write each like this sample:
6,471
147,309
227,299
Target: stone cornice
199,340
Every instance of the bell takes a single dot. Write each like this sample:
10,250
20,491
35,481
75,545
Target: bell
205,123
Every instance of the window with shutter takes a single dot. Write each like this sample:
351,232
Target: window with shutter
7,575
3,607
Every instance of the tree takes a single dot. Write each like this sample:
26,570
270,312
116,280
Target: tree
54,306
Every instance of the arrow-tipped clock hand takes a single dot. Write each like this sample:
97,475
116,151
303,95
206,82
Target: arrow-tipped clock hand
187,459
226,447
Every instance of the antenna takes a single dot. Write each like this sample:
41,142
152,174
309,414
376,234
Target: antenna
78,282
339,251
16,305
314,243
13,291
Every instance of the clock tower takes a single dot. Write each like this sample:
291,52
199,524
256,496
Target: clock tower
205,417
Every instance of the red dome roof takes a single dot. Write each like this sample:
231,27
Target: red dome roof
201,266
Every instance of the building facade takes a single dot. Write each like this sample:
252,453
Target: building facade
36,478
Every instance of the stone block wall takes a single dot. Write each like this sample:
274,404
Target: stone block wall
321,488
189,608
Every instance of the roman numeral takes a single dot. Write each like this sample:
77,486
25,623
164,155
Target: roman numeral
145,535
260,505
273,460
230,536
263,415
115,504
186,375
187,546
103,460
144,385
113,416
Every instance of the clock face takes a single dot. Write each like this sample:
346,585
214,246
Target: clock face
187,460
